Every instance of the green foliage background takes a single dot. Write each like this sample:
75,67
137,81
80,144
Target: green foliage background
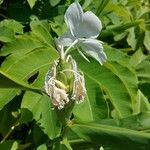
116,112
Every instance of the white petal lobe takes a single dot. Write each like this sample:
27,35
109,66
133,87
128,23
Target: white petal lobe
73,17
94,48
90,26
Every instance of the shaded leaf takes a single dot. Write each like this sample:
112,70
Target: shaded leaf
6,95
42,109
25,116
42,147
109,136
9,145
94,104
54,2
1,1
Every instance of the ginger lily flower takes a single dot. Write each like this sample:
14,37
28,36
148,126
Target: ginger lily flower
79,90
59,92
83,28
55,89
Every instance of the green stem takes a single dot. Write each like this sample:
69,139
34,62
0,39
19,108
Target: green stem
8,134
74,43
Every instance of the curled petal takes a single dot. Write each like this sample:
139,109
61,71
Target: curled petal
73,17
90,26
94,48
79,90
57,93
59,97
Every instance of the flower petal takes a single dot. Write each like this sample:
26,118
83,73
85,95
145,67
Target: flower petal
90,27
94,48
73,17
67,39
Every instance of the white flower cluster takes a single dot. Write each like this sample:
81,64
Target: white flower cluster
83,29
57,90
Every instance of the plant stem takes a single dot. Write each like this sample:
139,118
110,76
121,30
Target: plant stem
62,53
8,134
67,50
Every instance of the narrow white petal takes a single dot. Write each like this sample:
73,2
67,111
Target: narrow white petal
73,17
67,39
90,26
94,48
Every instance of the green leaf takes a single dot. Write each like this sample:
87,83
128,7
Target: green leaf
146,40
6,95
118,82
1,1
142,103
139,122
58,25
113,137
94,105
43,113
41,30
9,115
42,109
120,10
143,71
6,34
31,3
42,147
9,145
12,24
25,116
54,2
24,66
22,45
137,58
7,81
101,5
116,55
62,145
122,27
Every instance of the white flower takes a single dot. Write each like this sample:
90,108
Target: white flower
83,28
79,90
57,93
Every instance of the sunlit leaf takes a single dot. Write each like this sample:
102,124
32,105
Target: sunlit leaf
118,82
146,41
31,2
12,24
6,34
7,81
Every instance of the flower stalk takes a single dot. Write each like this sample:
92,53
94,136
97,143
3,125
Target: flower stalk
64,83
